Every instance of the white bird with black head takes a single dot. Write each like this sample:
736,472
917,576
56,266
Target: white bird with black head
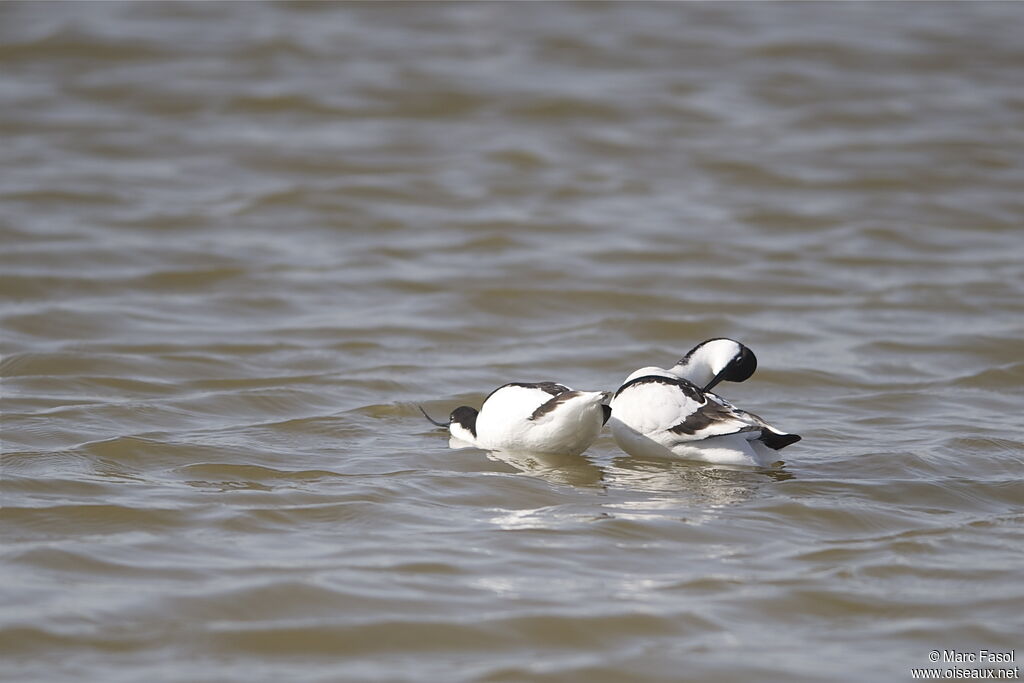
659,413
531,417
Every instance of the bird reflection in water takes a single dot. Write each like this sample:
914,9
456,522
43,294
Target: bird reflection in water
562,469
683,487
572,470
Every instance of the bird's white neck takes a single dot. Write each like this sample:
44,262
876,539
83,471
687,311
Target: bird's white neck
704,364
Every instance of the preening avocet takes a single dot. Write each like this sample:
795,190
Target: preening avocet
660,413
538,417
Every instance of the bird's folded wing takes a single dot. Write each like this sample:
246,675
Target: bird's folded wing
713,419
544,410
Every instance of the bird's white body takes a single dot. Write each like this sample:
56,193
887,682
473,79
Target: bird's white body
662,416
659,413
536,418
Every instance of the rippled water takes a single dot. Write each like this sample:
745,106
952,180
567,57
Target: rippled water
242,241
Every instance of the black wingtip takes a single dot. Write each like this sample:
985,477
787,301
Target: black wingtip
432,420
607,410
778,441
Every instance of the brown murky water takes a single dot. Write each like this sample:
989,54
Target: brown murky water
242,241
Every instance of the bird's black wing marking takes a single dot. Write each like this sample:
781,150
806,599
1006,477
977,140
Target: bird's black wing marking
777,441
716,417
770,436
551,404
709,415
553,388
688,388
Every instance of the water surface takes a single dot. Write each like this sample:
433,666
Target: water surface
242,241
